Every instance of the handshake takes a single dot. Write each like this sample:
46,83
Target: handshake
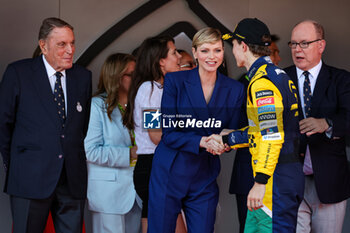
217,144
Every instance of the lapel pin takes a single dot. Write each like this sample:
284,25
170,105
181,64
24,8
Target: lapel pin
79,107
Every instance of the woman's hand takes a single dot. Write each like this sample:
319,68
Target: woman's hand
212,145
133,155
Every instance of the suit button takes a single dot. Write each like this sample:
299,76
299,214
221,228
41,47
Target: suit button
62,136
60,156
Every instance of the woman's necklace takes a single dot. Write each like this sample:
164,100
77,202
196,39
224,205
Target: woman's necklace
122,110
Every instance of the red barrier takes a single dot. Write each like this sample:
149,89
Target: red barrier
50,228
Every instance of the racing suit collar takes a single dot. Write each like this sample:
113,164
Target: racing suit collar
255,66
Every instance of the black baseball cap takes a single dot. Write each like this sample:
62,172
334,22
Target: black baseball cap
251,31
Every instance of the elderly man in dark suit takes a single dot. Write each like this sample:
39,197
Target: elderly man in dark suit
44,111
324,94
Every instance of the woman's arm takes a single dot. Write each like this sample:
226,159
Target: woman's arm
155,135
173,137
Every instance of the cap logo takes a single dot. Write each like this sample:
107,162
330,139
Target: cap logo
242,37
226,36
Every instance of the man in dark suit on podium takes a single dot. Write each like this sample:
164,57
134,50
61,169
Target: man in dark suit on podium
324,111
44,111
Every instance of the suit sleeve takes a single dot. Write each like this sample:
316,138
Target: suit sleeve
9,94
172,136
239,109
243,119
341,120
97,151
88,97
270,127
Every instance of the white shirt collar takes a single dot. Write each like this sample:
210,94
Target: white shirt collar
51,71
314,71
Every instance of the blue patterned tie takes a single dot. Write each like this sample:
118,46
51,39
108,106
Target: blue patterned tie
307,94
59,98
307,168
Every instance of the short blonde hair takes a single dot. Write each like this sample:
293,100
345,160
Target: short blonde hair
206,35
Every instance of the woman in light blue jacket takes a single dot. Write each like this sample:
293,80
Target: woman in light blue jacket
111,153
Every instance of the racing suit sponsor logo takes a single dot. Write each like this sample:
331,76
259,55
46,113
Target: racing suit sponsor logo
267,124
263,93
264,101
279,71
266,108
268,59
268,154
251,122
233,138
268,131
270,137
268,116
252,71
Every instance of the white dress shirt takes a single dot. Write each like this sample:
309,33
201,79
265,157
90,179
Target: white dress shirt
313,74
146,99
52,79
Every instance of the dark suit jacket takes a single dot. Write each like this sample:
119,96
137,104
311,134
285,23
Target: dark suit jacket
33,144
242,179
331,99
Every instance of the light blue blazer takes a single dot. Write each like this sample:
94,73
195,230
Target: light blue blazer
110,177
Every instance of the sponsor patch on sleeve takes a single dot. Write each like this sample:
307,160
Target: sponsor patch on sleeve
266,108
267,116
265,101
264,93
271,137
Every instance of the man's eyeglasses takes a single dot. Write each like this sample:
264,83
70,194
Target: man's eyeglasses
303,44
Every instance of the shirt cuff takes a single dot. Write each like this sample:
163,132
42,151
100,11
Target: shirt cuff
329,131
261,178
225,139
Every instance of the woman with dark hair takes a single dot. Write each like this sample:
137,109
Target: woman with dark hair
195,104
156,57
110,152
